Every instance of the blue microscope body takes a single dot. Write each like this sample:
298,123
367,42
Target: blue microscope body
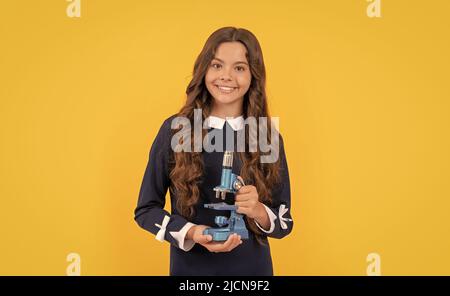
235,223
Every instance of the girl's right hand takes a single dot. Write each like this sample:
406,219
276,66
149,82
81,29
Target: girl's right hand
196,234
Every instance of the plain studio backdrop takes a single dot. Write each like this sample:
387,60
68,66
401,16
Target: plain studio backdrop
363,104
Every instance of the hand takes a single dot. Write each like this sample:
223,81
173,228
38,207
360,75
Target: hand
196,234
247,201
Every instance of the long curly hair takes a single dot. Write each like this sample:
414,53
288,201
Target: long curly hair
187,167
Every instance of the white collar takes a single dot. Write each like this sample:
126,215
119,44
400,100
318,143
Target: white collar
236,123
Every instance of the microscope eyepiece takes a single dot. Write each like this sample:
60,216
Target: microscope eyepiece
228,159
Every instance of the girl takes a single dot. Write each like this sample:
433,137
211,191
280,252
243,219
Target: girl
228,86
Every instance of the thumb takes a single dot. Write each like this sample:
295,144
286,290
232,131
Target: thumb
205,239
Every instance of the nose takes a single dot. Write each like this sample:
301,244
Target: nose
225,75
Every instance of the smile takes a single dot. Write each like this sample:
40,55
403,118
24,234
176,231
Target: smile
225,89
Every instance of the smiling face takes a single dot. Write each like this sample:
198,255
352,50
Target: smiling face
228,77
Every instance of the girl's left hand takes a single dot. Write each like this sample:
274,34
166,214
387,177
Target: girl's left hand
247,200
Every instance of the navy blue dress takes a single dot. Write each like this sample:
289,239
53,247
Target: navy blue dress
249,258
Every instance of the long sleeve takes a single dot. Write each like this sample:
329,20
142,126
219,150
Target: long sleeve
150,213
281,222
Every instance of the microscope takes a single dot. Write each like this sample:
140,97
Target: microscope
235,223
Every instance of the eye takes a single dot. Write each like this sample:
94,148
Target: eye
216,65
240,68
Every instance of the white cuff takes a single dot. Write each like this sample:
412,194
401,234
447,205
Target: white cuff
272,218
180,237
162,230
283,210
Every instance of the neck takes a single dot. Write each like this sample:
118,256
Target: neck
227,110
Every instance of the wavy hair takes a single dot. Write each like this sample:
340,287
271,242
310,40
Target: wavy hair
186,169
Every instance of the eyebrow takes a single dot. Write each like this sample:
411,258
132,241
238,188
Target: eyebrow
238,62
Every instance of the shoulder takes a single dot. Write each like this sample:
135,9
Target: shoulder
166,125
162,139
165,130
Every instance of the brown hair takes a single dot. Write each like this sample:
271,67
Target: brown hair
187,167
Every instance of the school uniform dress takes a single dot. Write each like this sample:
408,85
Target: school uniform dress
187,257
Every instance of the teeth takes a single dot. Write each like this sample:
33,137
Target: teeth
226,89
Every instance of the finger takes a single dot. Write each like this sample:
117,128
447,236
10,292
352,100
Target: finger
244,204
215,247
225,246
240,240
243,197
243,210
236,242
246,196
204,239
229,241
245,189
240,179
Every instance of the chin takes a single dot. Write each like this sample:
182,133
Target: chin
225,99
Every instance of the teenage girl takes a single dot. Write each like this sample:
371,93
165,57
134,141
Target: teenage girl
228,86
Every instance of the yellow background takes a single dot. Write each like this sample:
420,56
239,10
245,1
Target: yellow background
363,106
